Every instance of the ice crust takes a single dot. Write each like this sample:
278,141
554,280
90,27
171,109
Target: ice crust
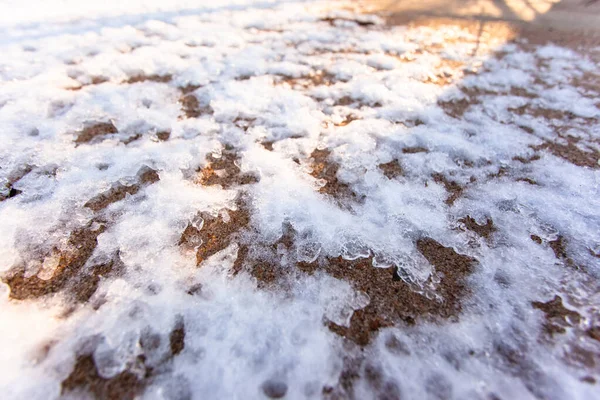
256,62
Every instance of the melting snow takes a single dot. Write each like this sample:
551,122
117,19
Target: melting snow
196,196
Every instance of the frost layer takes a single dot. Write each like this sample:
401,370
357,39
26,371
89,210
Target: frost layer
269,200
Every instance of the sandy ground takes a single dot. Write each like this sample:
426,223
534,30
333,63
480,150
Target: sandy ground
302,202
572,23
565,15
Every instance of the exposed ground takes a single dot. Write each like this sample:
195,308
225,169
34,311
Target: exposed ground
320,199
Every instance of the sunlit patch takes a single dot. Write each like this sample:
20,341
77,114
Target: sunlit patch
61,269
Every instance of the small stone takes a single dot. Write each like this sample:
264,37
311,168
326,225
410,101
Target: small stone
274,389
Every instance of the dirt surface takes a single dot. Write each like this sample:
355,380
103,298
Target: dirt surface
391,298
130,383
149,78
325,169
557,315
392,169
570,23
394,299
264,262
94,131
177,337
453,188
224,170
85,377
191,106
210,234
62,268
565,15
484,230
572,153
145,176
67,274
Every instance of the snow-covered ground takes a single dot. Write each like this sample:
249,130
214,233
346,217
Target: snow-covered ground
272,199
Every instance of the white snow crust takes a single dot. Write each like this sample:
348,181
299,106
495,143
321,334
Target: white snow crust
255,61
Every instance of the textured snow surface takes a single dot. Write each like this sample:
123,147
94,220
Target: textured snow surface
191,192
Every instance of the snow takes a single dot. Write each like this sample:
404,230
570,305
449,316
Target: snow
256,62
